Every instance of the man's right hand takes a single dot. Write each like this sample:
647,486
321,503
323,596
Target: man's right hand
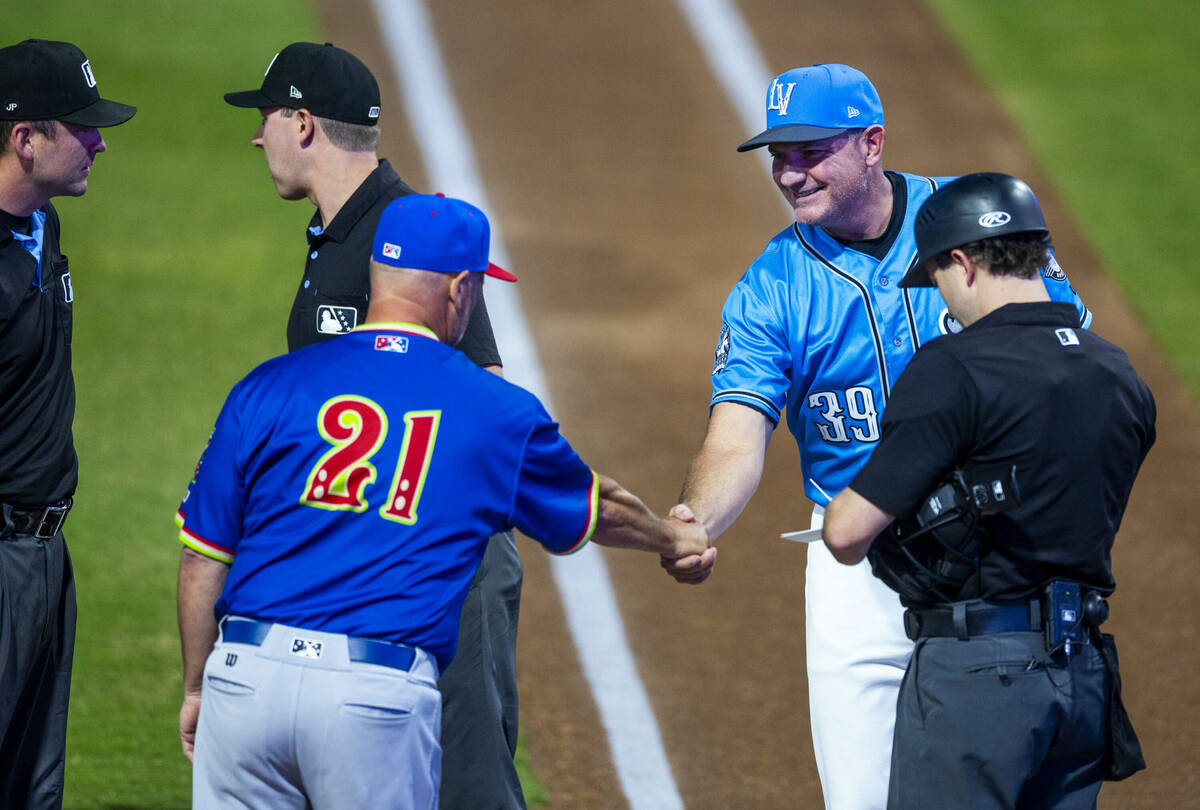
695,558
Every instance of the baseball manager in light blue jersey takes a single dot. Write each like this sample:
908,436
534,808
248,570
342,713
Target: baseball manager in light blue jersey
816,333
337,518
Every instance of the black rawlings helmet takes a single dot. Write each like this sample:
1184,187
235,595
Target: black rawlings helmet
973,207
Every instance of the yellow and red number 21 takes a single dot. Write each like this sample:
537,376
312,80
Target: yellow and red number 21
356,427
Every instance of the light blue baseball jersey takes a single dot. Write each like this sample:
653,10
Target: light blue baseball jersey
823,331
353,485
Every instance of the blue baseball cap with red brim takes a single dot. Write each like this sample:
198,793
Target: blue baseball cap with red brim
436,233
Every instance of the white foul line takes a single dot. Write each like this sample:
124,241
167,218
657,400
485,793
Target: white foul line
735,59
582,579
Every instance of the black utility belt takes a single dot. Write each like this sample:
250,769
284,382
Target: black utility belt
1065,612
43,522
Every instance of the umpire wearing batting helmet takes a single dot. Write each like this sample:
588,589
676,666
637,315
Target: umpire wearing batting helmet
1031,431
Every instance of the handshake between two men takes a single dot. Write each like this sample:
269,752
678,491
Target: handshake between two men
624,521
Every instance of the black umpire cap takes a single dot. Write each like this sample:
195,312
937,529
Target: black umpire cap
41,80
323,79
973,207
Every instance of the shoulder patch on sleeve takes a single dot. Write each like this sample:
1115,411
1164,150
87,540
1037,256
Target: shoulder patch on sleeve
1053,271
722,354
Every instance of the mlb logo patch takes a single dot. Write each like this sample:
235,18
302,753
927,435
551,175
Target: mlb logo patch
336,320
391,251
391,343
306,648
1067,337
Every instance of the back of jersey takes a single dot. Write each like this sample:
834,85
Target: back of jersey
354,485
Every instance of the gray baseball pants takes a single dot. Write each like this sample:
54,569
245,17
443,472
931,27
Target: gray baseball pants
294,723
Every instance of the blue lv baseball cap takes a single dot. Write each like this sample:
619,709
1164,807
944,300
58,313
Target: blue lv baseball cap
811,103
436,233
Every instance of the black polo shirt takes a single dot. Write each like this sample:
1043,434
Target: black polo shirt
37,392
332,297
1025,386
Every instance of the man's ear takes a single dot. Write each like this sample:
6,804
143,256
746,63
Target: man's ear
460,287
306,126
969,266
872,140
21,140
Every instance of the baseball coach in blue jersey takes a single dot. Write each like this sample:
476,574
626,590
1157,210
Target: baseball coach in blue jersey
336,519
320,125
815,333
1008,452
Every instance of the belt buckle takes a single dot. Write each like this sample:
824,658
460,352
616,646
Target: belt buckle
912,624
52,520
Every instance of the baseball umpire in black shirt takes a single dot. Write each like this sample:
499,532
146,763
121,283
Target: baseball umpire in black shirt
50,112
1008,454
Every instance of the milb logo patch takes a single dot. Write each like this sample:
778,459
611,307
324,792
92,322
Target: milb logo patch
391,343
306,648
336,320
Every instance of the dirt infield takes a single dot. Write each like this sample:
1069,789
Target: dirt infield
608,152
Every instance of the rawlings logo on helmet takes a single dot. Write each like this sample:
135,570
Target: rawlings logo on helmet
994,219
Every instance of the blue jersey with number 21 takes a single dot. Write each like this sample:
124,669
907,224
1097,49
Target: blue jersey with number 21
823,331
353,485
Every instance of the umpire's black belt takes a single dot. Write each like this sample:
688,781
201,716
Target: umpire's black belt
965,619
43,522
362,650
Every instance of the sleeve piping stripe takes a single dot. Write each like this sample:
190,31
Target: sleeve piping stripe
751,398
593,515
205,547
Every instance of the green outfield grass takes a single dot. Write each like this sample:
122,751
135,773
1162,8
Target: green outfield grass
1106,95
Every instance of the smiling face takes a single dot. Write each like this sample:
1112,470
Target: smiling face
62,164
827,182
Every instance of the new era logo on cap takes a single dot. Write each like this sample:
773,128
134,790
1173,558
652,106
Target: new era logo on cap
294,93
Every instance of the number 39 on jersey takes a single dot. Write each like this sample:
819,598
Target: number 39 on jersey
357,427
846,416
